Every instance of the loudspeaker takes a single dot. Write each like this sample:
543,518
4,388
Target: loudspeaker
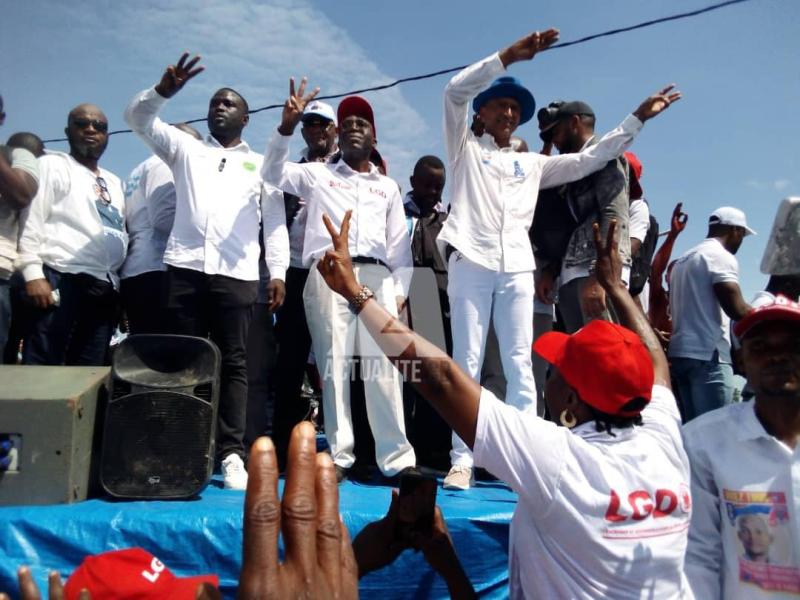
47,424
158,436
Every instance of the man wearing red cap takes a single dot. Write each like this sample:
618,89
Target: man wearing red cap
604,500
381,251
744,540
493,198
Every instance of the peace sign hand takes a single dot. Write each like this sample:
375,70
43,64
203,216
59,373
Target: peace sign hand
657,103
336,267
176,76
295,105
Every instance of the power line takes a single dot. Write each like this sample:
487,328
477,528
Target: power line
397,82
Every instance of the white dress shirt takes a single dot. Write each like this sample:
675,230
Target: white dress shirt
67,225
220,199
598,516
494,190
149,211
744,541
378,224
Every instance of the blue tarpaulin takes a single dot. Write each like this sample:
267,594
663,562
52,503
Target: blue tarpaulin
205,536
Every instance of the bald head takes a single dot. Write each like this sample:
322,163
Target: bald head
87,132
27,140
186,128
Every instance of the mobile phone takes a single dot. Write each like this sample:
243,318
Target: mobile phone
417,503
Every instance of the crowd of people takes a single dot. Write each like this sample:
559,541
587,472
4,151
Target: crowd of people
318,271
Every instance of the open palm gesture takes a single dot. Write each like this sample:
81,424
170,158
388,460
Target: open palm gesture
657,103
295,105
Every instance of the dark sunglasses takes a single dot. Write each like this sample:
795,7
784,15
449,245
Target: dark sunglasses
100,126
104,194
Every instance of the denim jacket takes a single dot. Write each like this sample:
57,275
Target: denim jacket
601,196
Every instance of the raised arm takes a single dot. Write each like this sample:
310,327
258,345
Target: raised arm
566,168
608,270
142,111
436,377
466,84
19,178
277,170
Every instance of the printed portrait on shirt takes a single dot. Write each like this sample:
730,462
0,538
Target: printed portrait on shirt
760,524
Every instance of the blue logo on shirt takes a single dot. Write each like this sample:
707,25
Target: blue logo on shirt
518,172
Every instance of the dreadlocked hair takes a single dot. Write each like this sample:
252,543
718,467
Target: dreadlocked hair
604,422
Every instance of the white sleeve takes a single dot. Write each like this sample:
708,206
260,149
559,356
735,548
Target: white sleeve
159,194
398,245
526,452
279,172
458,94
639,219
722,266
662,412
142,117
23,160
704,553
276,235
565,168
31,220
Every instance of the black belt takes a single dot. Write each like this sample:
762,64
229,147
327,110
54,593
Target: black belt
367,260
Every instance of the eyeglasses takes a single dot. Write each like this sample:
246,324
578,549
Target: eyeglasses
321,123
100,126
102,191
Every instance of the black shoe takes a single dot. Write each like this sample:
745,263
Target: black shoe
341,473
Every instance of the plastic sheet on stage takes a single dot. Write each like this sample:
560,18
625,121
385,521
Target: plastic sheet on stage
205,536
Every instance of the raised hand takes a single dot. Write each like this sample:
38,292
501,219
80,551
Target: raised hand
657,103
295,105
608,267
28,590
319,559
527,47
679,219
176,76
336,267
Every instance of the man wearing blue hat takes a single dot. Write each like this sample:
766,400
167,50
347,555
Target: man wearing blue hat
493,197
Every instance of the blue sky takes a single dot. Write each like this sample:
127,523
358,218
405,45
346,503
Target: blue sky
733,139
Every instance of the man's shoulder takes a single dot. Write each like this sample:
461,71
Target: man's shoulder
720,424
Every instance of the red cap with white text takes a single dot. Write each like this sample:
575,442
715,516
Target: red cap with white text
781,309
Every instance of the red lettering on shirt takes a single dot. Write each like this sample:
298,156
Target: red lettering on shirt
663,510
640,504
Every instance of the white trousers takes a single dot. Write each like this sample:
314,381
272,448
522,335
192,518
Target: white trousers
338,337
476,293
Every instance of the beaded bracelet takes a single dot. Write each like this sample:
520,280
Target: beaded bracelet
357,303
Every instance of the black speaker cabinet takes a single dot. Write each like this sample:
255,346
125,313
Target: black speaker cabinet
158,436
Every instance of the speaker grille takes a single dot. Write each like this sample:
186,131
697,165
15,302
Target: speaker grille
157,444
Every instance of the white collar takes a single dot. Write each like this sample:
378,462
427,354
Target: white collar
242,146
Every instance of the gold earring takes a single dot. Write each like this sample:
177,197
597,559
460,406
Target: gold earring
568,421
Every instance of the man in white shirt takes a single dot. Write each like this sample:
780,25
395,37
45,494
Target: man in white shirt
72,243
744,540
294,340
641,255
380,246
213,251
704,290
19,180
493,197
149,212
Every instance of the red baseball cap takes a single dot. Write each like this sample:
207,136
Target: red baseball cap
131,574
605,363
636,166
781,309
356,105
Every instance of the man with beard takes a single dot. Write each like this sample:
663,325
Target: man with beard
380,247
745,470
212,254
72,243
19,180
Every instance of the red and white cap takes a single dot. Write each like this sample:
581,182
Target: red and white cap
605,363
781,309
131,574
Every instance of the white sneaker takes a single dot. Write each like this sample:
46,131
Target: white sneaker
460,477
233,473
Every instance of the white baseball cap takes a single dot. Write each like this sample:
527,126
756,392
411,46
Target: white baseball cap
319,109
728,215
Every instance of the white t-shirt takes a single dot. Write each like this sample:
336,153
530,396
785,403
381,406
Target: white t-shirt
699,326
598,516
744,541
639,219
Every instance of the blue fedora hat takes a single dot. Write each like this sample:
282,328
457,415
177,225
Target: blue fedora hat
508,87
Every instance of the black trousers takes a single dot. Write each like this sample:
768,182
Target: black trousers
261,354
218,307
294,344
77,331
142,300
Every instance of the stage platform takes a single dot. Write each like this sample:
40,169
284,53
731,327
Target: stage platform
205,536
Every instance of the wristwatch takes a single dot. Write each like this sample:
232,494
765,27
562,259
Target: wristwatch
364,294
